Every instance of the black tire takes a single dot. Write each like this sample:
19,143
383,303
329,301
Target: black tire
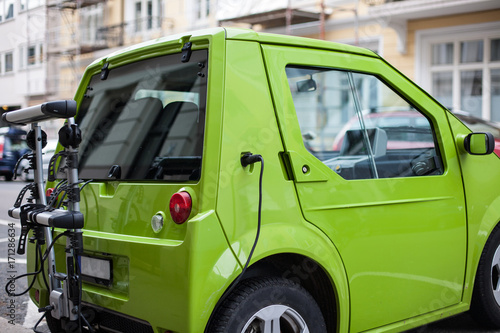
8,177
485,306
242,311
54,324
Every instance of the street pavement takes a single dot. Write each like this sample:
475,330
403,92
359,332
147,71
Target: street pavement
19,314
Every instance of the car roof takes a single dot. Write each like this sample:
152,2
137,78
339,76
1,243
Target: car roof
238,34
268,38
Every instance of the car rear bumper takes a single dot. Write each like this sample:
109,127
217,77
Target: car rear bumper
158,284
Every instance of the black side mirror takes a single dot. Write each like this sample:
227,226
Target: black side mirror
306,85
479,143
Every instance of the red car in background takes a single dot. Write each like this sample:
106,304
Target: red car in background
390,121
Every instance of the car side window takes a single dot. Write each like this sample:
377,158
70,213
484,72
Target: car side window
359,127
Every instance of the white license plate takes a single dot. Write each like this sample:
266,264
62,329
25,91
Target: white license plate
96,269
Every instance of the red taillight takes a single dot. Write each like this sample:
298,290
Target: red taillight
37,296
48,192
180,207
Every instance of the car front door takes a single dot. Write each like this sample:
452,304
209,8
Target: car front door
375,168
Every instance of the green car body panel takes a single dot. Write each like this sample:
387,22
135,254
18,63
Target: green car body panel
396,252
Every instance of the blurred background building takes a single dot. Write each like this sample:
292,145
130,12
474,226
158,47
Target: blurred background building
450,47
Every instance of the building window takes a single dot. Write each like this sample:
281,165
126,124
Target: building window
30,4
138,16
149,18
6,10
442,54
201,9
495,49
159,6
146,15
461,68
9,9
9,62
40,53
93,30
495,94
31,55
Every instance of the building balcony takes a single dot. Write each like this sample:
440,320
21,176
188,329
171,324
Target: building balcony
417,9
275,18
269,14
378,2
72,40
102,38
72,4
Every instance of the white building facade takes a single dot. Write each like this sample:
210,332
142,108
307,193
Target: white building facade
23,69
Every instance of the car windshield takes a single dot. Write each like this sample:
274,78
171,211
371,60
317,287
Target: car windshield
145,120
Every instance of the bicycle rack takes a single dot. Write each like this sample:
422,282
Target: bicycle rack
42,215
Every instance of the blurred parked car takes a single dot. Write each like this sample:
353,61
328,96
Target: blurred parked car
12,147
393,121
26,174
404,129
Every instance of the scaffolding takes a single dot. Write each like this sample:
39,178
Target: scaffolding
65,47
272,14
287,14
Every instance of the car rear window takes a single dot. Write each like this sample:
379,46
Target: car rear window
145,121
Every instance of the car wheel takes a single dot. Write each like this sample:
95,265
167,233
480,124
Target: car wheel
268,305
8,177
485,307
54,324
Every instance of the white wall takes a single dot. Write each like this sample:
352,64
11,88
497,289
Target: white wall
26,28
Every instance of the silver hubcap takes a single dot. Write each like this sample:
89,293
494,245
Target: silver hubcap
495,275
276,319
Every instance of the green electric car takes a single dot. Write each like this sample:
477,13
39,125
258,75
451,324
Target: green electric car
237,182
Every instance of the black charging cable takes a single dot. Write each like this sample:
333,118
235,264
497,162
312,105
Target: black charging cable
247,159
